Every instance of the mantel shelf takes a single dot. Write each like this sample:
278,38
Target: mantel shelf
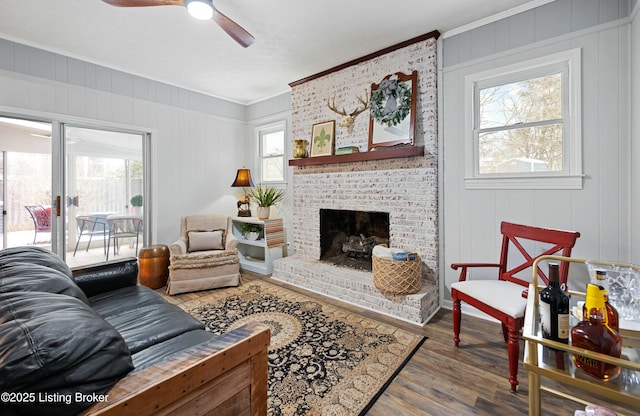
395,152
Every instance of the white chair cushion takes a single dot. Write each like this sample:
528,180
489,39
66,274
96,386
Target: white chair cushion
499,294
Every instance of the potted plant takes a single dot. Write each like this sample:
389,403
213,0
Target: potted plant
266,196
251,231
136,203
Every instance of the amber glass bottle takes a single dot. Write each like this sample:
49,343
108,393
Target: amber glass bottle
554,308
600,279
594,334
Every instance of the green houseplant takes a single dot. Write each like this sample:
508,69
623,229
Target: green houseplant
266,196
136,200
136,203
250,231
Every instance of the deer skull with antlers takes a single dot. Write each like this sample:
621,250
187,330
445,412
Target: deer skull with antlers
348,119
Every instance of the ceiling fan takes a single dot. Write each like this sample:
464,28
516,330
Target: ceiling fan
200,9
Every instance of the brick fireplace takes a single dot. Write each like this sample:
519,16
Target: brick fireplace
404,188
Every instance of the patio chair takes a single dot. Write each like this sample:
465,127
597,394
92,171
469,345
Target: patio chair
123,226
92,224
41,217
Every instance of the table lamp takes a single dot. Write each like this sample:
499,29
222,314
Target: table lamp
243,179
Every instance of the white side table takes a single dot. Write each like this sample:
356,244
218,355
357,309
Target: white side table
258,255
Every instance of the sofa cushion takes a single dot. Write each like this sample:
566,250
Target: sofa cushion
148,325
34,255
31,277
205,240
124,299
57,344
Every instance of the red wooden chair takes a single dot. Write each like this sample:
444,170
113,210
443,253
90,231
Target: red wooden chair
505,298
41,217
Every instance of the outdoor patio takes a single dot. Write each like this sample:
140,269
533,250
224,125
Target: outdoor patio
95,254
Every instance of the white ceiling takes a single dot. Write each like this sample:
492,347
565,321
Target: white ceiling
294,39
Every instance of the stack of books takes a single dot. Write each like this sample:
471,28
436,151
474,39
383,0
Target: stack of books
347,150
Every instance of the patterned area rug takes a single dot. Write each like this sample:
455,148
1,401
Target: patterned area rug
323,360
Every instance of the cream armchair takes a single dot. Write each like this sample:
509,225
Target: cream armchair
205,256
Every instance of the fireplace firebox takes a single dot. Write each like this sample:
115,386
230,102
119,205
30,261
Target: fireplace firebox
347,237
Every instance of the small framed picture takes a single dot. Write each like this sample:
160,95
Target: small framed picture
322,138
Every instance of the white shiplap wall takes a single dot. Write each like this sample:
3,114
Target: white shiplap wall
601,211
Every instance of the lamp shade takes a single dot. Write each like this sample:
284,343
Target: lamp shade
243,178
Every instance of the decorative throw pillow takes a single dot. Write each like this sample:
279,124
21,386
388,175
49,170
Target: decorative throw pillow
205,240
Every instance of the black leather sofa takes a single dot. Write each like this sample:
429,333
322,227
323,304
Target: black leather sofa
67,337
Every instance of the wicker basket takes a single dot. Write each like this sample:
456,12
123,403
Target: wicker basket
397,277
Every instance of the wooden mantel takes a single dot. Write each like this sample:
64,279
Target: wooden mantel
396,152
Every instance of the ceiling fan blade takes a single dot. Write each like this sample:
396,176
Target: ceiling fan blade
142,3
233,29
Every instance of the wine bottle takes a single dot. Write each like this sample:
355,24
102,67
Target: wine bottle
594,334
554,308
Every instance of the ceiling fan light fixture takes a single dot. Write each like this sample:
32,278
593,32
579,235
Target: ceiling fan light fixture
200,9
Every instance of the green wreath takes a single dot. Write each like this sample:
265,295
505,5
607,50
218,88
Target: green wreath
391,102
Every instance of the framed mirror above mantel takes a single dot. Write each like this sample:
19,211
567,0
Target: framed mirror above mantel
393,111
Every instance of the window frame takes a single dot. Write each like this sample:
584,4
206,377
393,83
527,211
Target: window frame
262,130
568,63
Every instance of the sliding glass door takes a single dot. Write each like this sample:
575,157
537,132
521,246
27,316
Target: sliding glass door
60,183
104,181
26,182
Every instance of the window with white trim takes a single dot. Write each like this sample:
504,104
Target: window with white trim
523,125
271,148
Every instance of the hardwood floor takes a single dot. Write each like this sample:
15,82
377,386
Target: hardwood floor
442,380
